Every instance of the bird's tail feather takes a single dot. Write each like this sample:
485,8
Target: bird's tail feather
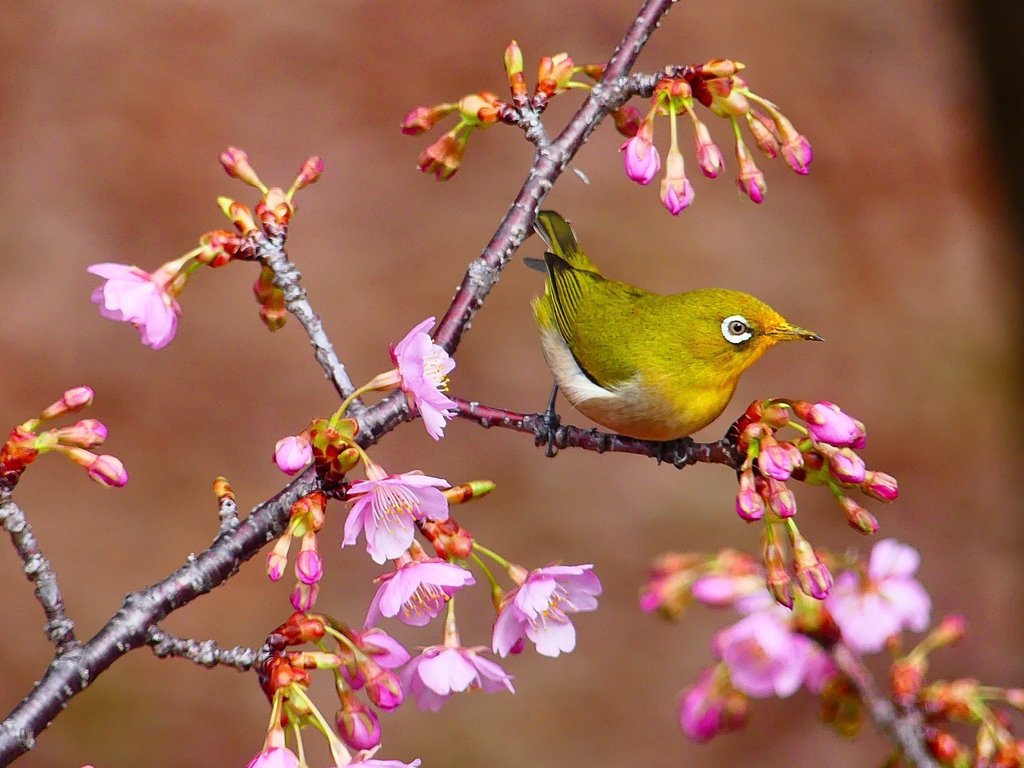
561,240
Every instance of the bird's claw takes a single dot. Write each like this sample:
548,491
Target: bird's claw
551,423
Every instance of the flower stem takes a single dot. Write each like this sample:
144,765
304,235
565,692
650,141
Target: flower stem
492,554
486,570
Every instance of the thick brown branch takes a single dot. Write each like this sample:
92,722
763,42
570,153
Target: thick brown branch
904,728
680,453
59,628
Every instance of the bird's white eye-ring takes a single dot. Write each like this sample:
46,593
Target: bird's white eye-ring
736,329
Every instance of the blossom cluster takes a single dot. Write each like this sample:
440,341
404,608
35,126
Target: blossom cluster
26,442
388,510
149,301
718,86
773,651
822,453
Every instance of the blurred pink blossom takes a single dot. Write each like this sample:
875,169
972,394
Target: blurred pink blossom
764,655
887,600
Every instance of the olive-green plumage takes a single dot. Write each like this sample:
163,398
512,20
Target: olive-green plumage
645,365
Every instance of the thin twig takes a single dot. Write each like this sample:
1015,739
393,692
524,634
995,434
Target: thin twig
205,653
270,251
679,453
59,628
904,728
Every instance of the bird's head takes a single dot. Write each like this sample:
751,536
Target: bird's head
735,329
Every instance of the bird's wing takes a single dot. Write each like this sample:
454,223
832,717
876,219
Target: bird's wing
567,290
561,241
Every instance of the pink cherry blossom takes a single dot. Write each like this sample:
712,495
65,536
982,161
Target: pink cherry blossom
292,453
417,591
275,757
381,647
423,368
134,296
538,609
641,160
439,672
827,424
885,601
387,508
764,656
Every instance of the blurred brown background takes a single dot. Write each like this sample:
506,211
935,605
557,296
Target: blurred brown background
897,249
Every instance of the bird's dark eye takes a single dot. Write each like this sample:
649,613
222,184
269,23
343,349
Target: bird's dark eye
736,329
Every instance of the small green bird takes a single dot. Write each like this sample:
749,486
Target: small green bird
645,365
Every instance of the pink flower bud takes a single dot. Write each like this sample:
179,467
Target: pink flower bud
109,471
750,179
422,119
847,466
383,688
778,460
763,130
309,566
777,580
827,424
72,401
812,575
357,724
749,505
641,159
881,486
236,163
798,154
627,121
303,596
859,518
88,433
676,190
292,453
781,500
309,173
700,709
444,156
709,156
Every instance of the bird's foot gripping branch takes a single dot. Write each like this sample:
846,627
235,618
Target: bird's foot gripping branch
813,636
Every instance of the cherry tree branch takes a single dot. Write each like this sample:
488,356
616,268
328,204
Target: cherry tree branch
679,453
205,653
59,628
270,251
902,727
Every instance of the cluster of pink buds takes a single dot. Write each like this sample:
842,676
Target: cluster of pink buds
822,453
773,651
482,110
360,660
718,86
149,302
26,442
305,521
